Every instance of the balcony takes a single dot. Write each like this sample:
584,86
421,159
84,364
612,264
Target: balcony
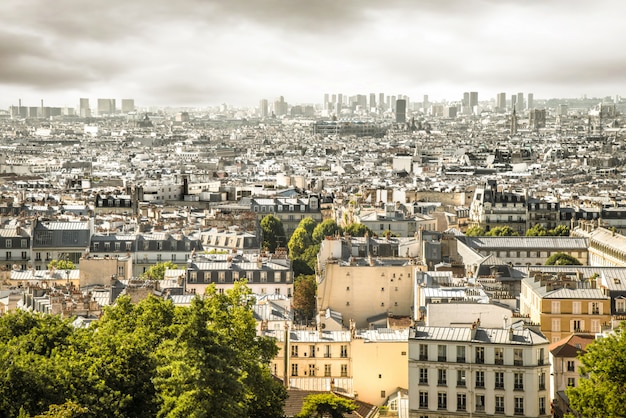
423,357
460,383
460,359
519,411
442,359
498,361
518,387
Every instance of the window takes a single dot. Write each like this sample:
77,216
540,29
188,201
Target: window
500,404
519,406
442,400
518,357
480,402
173,257
460,354
461,402
576,308
294,369
264,277
441,353
542,406
620,305
327,351
576,325
344,351
480,379
423,352
38,256
117,246
556,307
498,354
570,366
441,377
542,381
423,376
540,355
344,370
518,379
594,308
221,276
294,351
24,243
423,397
571,381
107,246
159,258
383,394
327,370
8,243
480,355
499,376
193,277
159,245
128,246
460,378
311,369
556,324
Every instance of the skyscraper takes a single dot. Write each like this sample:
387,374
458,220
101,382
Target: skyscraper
401,111
381,100
83,108
263,108
473,102
106,107
326,98
425,103
520,101
530,100
372,103
128,105
501,102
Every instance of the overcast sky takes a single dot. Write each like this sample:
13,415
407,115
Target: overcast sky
207,52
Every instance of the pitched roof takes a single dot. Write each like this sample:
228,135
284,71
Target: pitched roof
571,345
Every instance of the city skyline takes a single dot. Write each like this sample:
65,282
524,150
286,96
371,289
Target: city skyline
205,53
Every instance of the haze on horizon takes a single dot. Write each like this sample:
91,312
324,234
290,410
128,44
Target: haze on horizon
199,53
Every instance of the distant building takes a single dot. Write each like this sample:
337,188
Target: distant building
128,105
501,102
106,107
83,108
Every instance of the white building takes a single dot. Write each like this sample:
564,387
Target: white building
474,371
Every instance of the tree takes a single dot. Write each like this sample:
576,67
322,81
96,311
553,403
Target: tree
327,228
537,230
304,291
308,224
61,265
501,231
600,390
560,230
273,233
300,240
562,259
157,271
474,231
325,405
358,230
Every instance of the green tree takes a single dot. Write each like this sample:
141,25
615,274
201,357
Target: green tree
308,224
327,228
157,271
600,390
358,230
474,231
304,292
537,230
300,240
69,409
560,230
562,259
501,231
273,233
61,265
325,405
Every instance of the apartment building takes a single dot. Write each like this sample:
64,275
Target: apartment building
15,244
475,371
563,301
290,211
565,369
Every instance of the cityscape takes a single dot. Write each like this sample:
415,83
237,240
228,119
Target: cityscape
279,209
462,208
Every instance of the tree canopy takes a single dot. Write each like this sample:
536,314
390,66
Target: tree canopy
358,230
304,291
475,231
562,259
325,405
600,391
273,233
326,228
138,360
61,265
501,231
157,271
539,230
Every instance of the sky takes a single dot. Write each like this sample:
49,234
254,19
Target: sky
208,52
